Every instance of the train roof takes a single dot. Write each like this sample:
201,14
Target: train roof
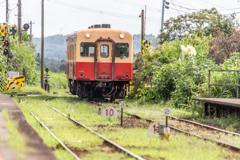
94,28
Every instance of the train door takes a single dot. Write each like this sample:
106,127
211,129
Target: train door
104,60
70,57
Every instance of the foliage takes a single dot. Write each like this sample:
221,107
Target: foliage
146,64
52,64
203,23
163,75
23,60
3,68
3,71
222,45
58,80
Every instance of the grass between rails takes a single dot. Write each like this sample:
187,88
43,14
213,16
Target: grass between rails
60,153
135,138
82,142
15,140
155,111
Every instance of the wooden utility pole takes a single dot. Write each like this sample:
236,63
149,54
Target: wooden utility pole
42,46
6,11
20,21
142,31
30,31
145,21
163,4
7,17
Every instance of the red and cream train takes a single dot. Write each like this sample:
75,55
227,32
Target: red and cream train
99,62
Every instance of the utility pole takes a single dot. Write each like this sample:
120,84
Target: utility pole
7,24
163,1
42,45
30,31
58,63
164,6
20,21
7,11
145,21
142,31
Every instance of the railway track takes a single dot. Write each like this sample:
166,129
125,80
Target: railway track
230,146
122,149
199,124
55,137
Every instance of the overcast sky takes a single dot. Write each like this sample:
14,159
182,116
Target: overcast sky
66,16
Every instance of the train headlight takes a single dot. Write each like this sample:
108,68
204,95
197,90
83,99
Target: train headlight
121,36
87,35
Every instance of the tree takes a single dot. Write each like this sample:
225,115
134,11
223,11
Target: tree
3,68
202,23
222,45
23,59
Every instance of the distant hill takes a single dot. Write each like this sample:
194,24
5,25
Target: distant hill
55,45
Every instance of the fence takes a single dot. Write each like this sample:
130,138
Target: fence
215,70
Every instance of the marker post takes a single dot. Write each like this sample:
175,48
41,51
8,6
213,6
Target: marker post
166,130
122,105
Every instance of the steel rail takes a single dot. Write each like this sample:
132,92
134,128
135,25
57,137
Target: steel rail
62,144
204,125
196,123
191,134
107,140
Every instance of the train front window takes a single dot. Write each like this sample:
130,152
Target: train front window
104,50
121,50
87,49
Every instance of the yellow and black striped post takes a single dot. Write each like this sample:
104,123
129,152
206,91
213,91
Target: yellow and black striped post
17,82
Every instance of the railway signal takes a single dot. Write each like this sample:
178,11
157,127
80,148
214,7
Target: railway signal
5,52
146,44
46,84
25,27
13,30
6,43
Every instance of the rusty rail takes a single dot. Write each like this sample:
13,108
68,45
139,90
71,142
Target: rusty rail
204,125
191,134
194,135
218,70
108,140
61,143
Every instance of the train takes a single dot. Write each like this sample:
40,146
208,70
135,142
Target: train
99,62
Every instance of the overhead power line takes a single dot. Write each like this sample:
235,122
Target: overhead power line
213,4
2,2
188,4
138,5
176,7
99,11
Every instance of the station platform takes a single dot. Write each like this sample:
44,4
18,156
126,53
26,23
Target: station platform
36,148
220,106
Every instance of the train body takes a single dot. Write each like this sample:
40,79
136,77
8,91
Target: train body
99,62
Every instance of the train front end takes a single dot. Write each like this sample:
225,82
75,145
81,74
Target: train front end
99,62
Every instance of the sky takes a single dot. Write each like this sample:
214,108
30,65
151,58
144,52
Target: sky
67,16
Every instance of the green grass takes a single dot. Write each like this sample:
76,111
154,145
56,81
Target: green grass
58,80
136,140
70,134
15,140
155,111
